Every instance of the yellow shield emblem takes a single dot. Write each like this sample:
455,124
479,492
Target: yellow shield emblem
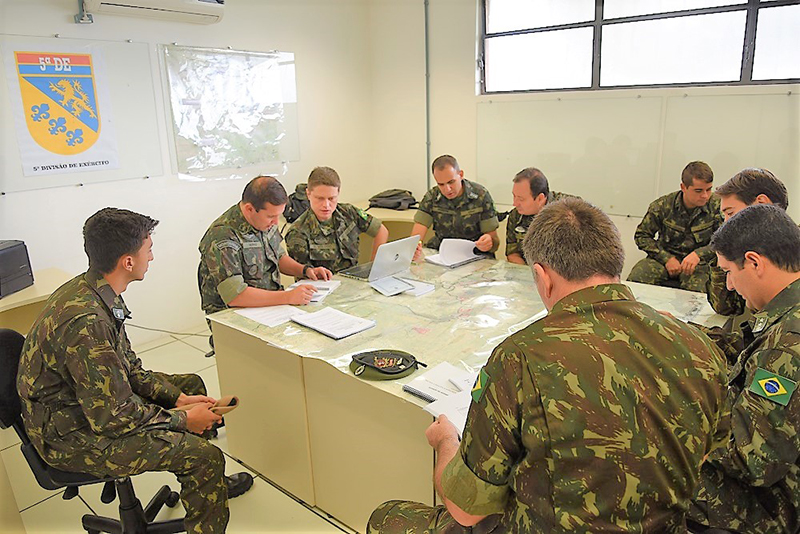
60,101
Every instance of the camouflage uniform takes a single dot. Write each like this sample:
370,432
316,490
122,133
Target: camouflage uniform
752,485
233,256
468,216
595,418
89,406
680,232
332,244
517,225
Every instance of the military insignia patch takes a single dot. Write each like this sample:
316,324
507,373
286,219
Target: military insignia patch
481,383
363,214
58,92
773,387
760,323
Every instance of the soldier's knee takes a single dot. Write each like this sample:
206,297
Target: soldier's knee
379,515
194,385
209,457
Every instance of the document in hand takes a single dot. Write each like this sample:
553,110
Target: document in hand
454,253
334,323
436,383
324,288
455,407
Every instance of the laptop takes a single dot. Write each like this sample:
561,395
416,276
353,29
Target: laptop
391,259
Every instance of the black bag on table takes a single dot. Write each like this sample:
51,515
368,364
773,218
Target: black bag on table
393,199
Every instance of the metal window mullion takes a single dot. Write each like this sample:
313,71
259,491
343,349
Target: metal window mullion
596,42
749,49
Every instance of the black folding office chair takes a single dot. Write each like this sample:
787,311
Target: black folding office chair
133,518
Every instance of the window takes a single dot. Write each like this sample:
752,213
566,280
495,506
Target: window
539,45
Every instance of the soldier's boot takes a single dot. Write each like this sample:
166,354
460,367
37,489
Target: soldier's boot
238,484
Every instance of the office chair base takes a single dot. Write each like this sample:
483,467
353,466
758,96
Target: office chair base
133,518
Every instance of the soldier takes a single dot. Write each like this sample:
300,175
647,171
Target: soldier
531,193
684,221
242,254
750,485
327,234
748,187
595,418
456,208
87,403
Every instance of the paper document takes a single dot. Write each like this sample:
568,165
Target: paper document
324,287
334,323
465,382
419,289
455,407
454,253
435,383
390,286
270,315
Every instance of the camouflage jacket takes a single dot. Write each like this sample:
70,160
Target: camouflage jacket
759,467
680,231
595,418
468,216
517,225
334,243
723,300
233,256
79,381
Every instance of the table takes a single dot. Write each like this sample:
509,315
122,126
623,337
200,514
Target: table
19,310
346,445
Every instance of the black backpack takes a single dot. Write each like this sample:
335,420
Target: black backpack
393,199
298,203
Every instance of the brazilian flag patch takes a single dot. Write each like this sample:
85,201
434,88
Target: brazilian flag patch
481,384
363,214
773,387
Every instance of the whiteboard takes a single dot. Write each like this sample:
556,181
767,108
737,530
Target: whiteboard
128,75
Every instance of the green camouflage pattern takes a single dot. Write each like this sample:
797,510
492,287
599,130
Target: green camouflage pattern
595,418
680,232
233,256
722,300
405,517
468,216
332,244
752,485
89,406
517,225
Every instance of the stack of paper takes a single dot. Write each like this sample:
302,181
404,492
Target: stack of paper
454,253
270,315
436,383
420,288
324,288
334,323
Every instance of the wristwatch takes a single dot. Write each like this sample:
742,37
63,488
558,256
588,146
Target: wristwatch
305,268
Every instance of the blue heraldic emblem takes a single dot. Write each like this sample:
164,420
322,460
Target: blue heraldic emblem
60,101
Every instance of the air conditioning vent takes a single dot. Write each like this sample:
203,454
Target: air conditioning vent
194,11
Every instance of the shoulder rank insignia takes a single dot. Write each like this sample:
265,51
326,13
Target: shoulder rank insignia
773,387
119,313
760,323
481,384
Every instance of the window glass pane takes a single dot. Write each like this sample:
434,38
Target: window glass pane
510,15
701,48
548,60
777,44
613,9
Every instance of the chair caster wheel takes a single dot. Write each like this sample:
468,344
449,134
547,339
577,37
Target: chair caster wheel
173,499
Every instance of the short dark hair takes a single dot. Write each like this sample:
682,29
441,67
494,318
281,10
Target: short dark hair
445,161
536,180
575,239
764,229
262,190
697,170
747,184
112,233
324,176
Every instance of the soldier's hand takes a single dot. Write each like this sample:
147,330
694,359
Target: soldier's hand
689,263
319,273
301,295
199,418
441,430
193,399
673,267
418,253
484,243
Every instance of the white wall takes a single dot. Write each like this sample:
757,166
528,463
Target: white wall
330,39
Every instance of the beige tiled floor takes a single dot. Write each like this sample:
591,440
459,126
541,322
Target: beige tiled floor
263,509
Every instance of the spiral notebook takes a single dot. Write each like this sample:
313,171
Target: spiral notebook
436,383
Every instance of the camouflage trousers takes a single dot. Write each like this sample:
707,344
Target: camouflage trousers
650,271
405,517
723,502
198,465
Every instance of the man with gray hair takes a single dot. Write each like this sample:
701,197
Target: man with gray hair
751,484
595,418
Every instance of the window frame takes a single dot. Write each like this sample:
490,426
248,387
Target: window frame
749,44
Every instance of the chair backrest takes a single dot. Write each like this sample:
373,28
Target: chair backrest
10,350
